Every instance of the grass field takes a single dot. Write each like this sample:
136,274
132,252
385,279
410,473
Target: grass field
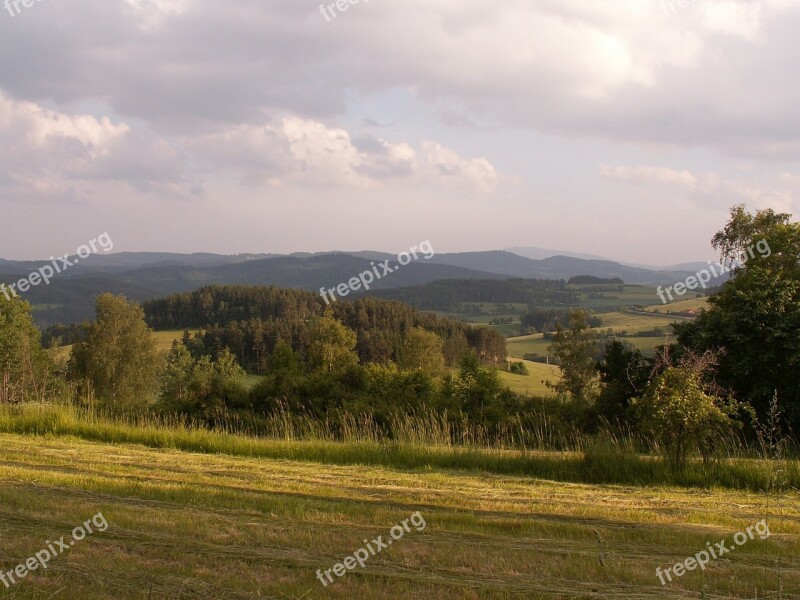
536,344
184,525
636,322
534,383
694,304
163,339
629,321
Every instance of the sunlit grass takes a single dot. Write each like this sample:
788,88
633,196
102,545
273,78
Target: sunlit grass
198,525
418,442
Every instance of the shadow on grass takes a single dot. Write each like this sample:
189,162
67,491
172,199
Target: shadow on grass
602,463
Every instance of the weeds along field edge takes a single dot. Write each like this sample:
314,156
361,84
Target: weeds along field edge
604,460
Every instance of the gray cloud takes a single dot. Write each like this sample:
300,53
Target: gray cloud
428,98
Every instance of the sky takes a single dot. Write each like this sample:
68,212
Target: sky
620,128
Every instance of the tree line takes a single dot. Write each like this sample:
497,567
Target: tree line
732,370
251,321
450,294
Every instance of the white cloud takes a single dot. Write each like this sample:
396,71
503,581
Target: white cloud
620,71
448,165
46,150
704,186
305,152
644,174
152,13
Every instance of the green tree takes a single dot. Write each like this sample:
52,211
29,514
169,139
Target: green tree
198,386
576,349
332,345
24,365
178,377
755,318
422,351
283,359
624,375
118,356
477,390
678,413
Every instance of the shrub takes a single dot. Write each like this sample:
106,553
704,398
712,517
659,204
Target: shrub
677,412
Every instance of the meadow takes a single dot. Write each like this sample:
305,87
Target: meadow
216,524
535,383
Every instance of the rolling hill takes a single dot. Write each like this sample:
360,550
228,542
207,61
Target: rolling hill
144,275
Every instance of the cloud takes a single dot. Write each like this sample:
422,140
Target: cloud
702,187
617,71
642,174
152,13
47,150
304,152
447,164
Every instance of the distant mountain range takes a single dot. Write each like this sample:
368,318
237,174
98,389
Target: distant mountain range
146,275
542,253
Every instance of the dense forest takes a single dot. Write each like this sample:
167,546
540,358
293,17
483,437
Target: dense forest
252,321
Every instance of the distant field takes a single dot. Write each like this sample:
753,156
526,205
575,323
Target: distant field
164,339
628,321
196,526
635,322
529,344
611,304
694,304
533,384
631,295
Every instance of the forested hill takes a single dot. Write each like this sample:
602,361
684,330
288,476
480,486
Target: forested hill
250,321
447,295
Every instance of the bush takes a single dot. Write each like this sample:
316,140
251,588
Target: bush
682,417
518,368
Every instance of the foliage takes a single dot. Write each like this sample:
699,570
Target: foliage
24,366
449,295
681,416
118,358
592,280
251,321
518,368
576,347
198,387
332,346
755,317
422,351
624,374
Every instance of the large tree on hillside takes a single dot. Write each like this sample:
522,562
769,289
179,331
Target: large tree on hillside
24,366
118,356
755,318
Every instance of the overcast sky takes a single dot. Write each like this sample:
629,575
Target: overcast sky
623,128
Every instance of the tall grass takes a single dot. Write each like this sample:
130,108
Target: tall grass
418,444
